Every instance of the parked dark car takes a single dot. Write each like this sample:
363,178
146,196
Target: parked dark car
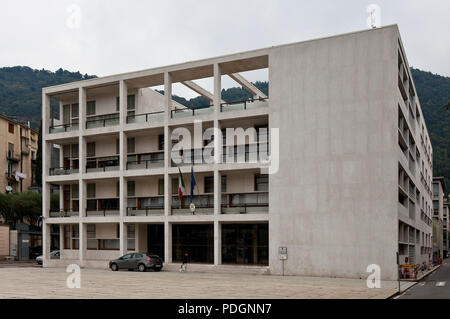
139,261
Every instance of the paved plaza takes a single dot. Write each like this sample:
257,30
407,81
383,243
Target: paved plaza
36,282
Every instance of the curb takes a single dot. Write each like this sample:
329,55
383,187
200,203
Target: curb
415,282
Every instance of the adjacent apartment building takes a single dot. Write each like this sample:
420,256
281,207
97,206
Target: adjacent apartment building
439,227
18,149
348,183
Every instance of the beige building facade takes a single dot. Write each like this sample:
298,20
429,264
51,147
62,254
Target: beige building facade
18,150
348,183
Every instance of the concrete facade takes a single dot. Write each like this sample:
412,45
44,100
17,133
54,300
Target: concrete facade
439,227
353,186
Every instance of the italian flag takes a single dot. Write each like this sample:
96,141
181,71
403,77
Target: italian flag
180,186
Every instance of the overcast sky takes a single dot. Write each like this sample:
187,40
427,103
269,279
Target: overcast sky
121,36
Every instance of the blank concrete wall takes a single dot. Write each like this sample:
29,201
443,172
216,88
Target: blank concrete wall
333,202
4,241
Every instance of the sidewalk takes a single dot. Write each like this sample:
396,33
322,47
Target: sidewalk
49,283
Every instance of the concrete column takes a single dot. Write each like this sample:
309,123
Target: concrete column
122,179
83,243
82,101
167,242
61,237
217,243
167,145
217,88
123,238
45,115
82,196
123,151
46,242
123,98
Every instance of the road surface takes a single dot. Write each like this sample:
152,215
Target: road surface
435,286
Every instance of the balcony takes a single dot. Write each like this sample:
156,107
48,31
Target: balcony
64,213
103,213
56,171
146,211
102,120
245,203
145,161
154,117
10,156
244,105
63,128
180,113
204,205
102,164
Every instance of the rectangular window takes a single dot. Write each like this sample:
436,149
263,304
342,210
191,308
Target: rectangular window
118,189
131,102
90,190
11,128
160,186
435,190
75,191
91,205
174,186
66,114
161,142
91,231
224,184
90,149
75,237
209,184
261,182
67,237
75,111
130,145
90,108
118,104
131,236
117,146
131,188
75,151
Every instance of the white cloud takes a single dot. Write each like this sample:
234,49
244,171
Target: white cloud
120,36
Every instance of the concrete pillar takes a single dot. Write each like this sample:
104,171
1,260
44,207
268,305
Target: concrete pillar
82,196
167,242
217,88
123,238
82,244
82,101
61,237
217,243
123,98
167,145
46,114
46,242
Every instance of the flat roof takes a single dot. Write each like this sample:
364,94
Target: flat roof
231,63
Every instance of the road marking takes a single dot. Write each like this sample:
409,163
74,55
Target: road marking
440,284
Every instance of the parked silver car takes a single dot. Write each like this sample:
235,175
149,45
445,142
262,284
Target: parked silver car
53,255
139,261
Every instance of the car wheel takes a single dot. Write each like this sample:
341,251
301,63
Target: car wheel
114,267
141,267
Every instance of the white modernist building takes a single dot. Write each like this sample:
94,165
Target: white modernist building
352,188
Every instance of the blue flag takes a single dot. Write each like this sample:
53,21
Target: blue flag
192,183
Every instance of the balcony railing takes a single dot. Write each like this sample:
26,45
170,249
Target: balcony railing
63,128
179,113
146,161
245,203
102,121
244,105
102,164
64,213
154,117
204,205
145,211
11,156
54,171
104,213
